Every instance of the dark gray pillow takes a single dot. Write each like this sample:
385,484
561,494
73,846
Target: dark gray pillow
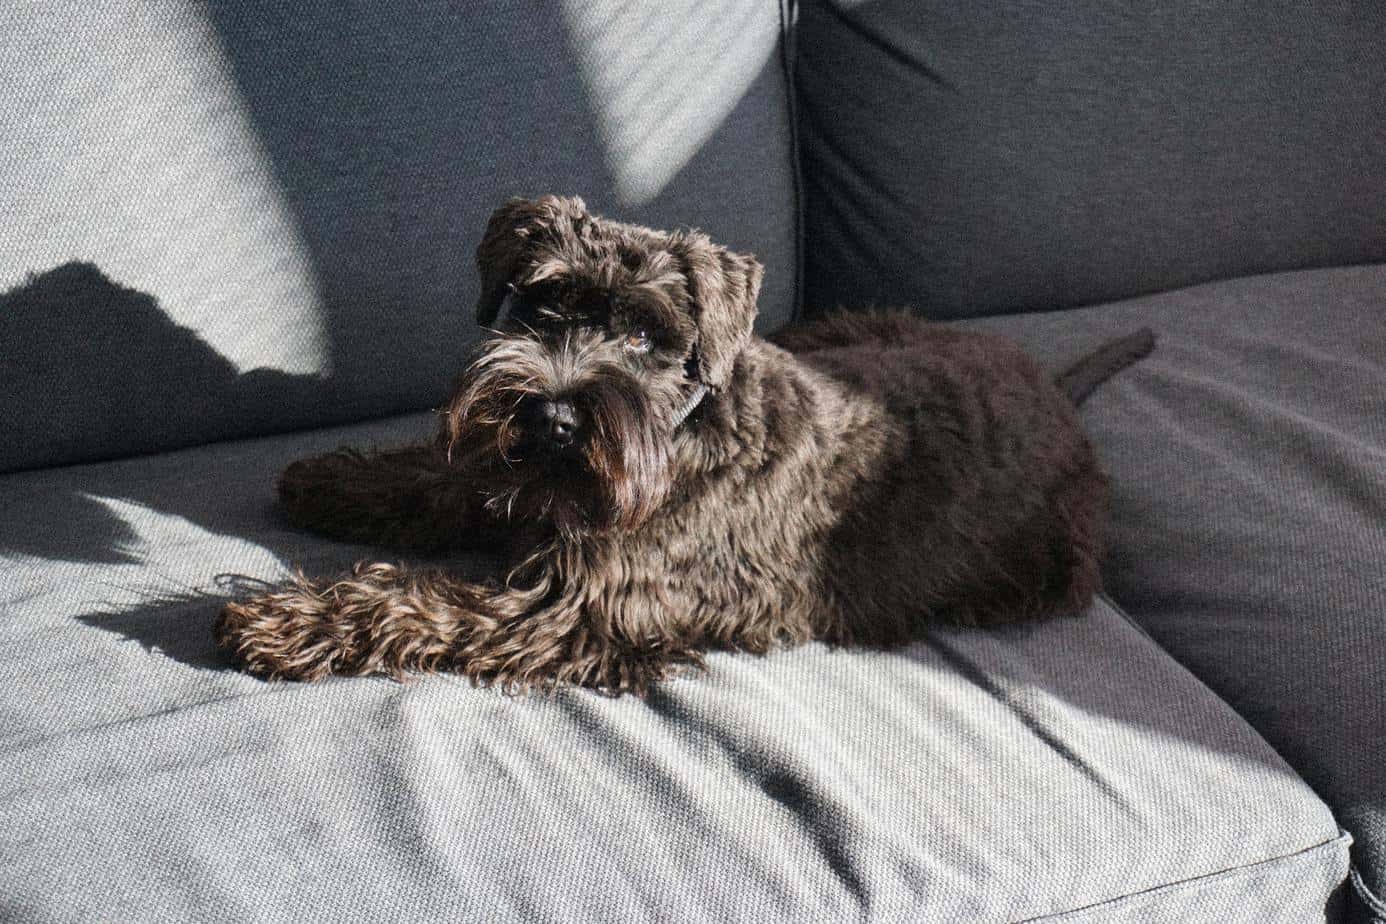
982,158
239,218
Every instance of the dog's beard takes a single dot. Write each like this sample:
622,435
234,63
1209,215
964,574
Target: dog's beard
613,479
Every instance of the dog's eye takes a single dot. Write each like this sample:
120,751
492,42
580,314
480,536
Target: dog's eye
637,341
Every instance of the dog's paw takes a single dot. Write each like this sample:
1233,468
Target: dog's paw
303,482
283,635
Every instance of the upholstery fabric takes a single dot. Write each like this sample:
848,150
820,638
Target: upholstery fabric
1248,455
1067,771
275,207
990,158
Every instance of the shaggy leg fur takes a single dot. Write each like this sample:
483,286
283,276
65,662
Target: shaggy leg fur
387,619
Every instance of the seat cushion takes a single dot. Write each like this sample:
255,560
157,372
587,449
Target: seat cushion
1249,525
232,219
988,158
1065,771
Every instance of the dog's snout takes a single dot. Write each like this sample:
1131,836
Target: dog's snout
558,421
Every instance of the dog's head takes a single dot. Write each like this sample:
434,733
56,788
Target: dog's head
613,333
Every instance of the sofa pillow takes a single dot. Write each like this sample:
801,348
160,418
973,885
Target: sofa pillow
1248,533
232,219
985,158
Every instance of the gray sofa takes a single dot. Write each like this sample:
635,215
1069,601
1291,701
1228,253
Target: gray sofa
236,234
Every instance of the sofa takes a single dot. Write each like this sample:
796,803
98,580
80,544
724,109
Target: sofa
235,234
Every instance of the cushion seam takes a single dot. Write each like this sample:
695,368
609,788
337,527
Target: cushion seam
789,19
1369,898
1126,618
1340,842
1364,892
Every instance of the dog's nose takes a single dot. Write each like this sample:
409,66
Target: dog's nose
559,422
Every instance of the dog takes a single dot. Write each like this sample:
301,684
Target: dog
664,483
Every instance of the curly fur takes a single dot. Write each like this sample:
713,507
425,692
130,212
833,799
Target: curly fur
865,475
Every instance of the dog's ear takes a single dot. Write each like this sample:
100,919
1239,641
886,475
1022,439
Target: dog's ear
723,286
508,234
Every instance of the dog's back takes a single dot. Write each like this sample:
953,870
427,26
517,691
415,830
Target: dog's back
991,497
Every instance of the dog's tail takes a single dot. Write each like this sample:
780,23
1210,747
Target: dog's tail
1082,378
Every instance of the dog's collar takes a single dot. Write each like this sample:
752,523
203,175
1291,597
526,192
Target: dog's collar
694,399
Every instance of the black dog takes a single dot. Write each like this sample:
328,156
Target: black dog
667,483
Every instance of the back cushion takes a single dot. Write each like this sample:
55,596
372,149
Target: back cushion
981,158
234,219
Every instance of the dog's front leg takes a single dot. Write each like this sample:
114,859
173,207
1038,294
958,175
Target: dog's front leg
386,619
380,618
409,498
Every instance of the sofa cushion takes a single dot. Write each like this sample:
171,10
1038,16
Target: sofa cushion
1065,771
1249,517
987,158
275,207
